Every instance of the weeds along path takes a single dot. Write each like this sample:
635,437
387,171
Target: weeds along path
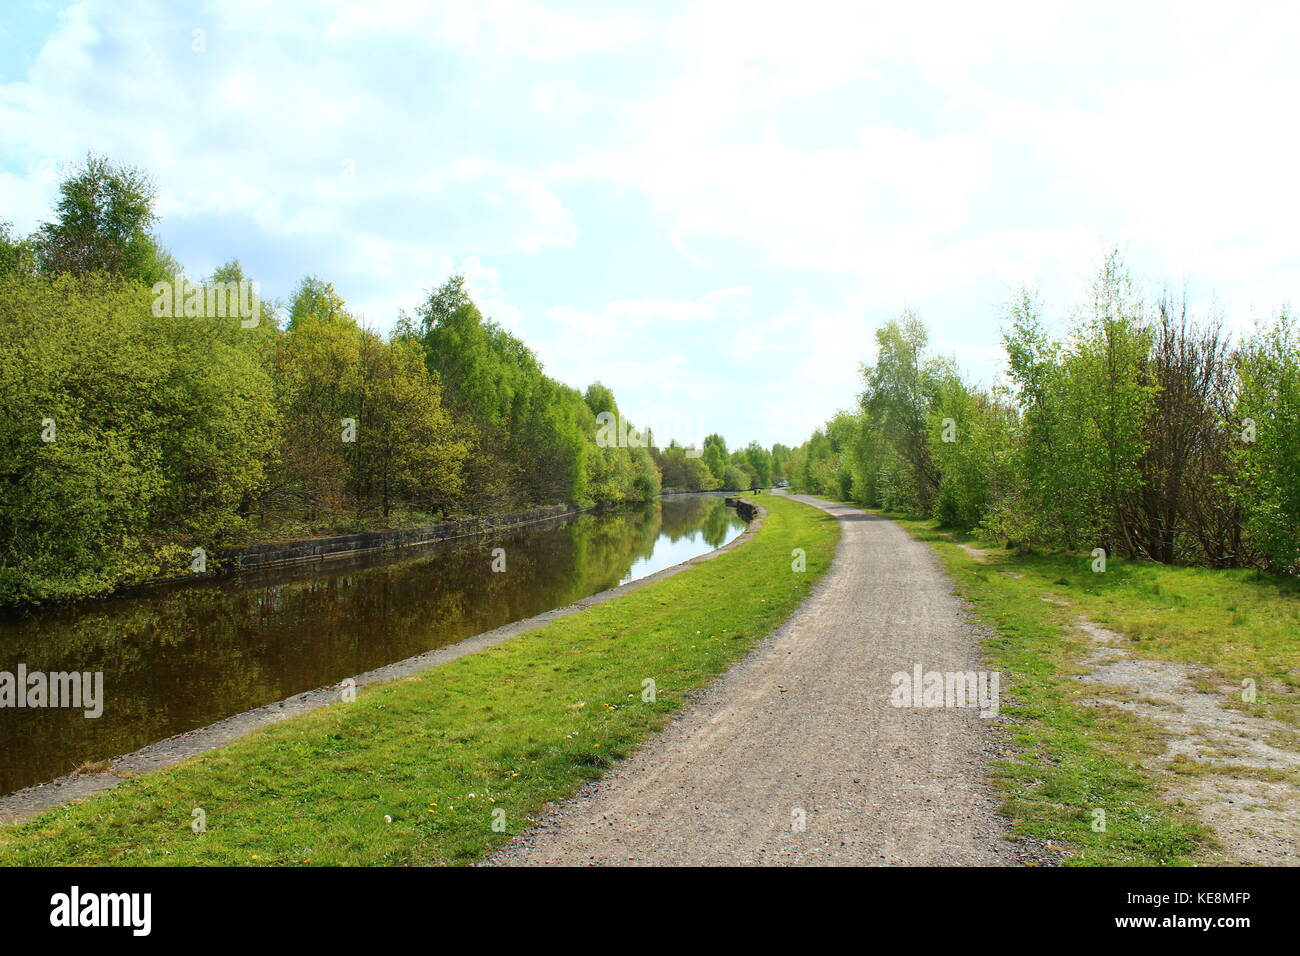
796,755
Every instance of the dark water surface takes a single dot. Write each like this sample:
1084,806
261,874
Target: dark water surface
183,656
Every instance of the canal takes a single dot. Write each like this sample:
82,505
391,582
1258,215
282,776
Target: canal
182,656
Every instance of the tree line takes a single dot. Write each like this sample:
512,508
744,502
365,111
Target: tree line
1138,428
140,425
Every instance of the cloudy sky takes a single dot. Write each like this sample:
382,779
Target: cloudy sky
708,206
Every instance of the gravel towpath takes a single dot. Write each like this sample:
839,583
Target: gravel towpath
796,756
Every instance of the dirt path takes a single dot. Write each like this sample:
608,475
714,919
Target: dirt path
803,730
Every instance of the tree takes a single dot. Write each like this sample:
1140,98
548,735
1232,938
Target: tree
600,399
715,456
1179,507
104,222
314,299
218,424
407,447
80,464
1107,368
1265,444
537,438
780,455
17,255
760,460
315,368
682,473
128,439
736,478
896,401
131,438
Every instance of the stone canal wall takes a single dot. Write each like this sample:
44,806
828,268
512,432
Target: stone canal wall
278,553
745,509
273,554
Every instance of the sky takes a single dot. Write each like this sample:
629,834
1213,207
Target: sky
709,207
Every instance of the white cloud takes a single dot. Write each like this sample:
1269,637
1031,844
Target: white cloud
819,169
494,28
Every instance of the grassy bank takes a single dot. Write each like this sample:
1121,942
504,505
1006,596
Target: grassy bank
1074,758
507,729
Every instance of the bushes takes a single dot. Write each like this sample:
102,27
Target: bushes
1266,447
117,424
734,478
535,439
1139,431
1085,404
130,439
363,424
681,472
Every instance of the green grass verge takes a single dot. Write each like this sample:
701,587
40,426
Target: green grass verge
1072,758
507,729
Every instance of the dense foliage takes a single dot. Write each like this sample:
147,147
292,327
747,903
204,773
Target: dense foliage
1139,430
130,438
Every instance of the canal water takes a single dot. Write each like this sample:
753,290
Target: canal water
182,656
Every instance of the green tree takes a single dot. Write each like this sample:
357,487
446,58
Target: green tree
407,447
128,439
736,478
16,254
1266,443
104,223
715,456
760,460
780,455
316,363
313,299
896,401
